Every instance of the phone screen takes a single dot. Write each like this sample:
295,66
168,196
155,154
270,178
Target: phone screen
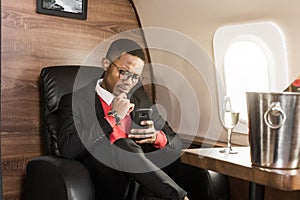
142,114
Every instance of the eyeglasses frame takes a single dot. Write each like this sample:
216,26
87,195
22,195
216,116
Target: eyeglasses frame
134,80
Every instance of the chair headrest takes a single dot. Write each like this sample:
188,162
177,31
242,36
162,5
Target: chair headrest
59,80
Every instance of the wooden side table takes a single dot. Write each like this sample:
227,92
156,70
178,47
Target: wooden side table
240,166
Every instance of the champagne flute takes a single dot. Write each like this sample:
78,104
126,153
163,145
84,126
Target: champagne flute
230,120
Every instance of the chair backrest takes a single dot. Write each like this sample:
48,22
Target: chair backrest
55,82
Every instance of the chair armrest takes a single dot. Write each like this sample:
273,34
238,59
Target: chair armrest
50,177
203,184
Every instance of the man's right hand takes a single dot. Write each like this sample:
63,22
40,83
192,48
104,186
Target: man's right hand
122,105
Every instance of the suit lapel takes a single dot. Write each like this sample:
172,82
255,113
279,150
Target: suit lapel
98,107
100,115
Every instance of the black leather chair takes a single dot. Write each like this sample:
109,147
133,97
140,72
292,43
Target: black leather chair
52,177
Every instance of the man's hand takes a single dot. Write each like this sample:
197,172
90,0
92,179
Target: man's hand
122,105
142,136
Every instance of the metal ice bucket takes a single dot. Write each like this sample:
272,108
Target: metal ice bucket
274,129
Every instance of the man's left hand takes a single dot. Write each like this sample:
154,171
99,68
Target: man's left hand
142,136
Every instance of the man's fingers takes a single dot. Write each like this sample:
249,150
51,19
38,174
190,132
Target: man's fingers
142,131
122,96
131,108
147,122
143,141
140,136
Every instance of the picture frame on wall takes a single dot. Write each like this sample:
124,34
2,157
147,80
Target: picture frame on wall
65,8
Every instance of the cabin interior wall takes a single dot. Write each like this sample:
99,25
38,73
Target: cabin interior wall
199,20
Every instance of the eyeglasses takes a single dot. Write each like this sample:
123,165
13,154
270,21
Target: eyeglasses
125,75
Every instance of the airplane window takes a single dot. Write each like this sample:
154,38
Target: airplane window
249,57
245,69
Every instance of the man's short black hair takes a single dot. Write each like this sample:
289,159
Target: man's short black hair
124,46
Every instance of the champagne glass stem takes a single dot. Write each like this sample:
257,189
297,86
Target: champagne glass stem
229,132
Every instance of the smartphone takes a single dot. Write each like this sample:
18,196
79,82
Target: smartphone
142,114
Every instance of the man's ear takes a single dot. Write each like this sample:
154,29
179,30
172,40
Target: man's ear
105,63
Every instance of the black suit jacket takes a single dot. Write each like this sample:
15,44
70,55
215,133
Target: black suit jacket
82,125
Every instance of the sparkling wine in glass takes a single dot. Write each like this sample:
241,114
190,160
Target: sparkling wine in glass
230,119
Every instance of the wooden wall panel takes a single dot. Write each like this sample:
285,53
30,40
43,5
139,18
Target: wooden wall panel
31,41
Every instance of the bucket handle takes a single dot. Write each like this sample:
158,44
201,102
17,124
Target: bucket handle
275,110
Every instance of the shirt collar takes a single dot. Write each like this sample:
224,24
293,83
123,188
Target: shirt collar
104,94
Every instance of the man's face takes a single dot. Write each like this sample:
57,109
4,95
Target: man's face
115,77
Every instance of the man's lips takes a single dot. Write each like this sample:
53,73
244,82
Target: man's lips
123,89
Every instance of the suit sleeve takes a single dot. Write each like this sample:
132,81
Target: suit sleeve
78,130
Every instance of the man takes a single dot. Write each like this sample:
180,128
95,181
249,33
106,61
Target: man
95,128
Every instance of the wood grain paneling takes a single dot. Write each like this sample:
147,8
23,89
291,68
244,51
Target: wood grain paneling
31,41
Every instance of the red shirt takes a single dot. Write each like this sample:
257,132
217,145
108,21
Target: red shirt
121,131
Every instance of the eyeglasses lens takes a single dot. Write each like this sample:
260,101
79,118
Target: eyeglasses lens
124,75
